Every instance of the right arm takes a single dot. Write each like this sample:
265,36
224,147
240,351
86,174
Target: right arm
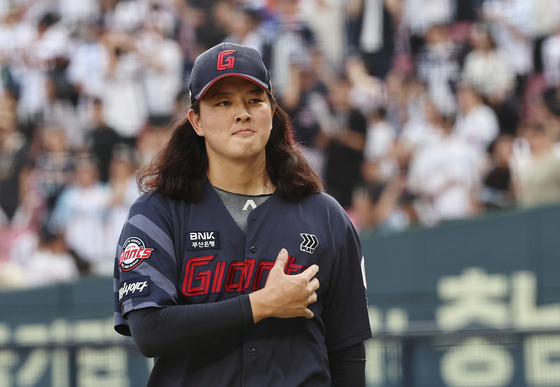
169,330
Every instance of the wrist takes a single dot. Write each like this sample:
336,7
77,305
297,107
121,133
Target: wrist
259,306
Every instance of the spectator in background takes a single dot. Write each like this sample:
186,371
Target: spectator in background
245,28
405,97
538,178
497,191
551,59
326,19
60,105
309,111
122,94
384,207
420,15
508,23
162,15
383,202
73,12
213,26
40,46
476,122
376,42
151,139
124,16
13,159
19,202
439,67
101,139
450,193
291,51
162,75
51,261
80,213
485,68
423,125
544,19
542,111
12,36
346,142
381,137
55,164
87,63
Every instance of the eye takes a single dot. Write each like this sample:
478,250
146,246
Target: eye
223,103
256,100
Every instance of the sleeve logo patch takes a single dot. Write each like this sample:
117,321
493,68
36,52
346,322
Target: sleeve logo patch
309,243
133,252
134,287
203,240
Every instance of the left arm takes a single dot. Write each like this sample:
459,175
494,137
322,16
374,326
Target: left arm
348,366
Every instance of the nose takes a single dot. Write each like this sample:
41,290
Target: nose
242,114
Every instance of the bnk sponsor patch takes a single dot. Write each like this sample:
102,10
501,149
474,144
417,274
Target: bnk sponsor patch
134,287
203,240
134,251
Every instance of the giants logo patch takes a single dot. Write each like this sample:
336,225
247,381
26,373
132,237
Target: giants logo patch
137,286
133,252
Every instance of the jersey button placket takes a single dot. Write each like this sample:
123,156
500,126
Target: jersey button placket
253,249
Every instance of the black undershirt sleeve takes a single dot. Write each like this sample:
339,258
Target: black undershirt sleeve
167,331
348,366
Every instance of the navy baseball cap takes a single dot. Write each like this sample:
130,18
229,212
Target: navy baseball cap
227,60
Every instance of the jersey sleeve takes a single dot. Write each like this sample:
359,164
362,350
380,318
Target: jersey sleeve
145,270
346,311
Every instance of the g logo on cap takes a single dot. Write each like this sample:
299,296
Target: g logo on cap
225,62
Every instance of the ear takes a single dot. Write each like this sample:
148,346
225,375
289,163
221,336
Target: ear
194,119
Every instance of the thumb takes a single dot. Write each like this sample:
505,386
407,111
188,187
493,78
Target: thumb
281,259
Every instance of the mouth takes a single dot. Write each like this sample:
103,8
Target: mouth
243,132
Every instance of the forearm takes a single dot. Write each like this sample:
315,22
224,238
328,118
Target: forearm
348,366
170,330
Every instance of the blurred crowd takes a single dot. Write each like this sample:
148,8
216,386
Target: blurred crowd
414,112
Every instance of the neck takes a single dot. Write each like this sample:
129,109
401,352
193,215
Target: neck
242,179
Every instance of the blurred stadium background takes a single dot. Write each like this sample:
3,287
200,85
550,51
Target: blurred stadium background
435,123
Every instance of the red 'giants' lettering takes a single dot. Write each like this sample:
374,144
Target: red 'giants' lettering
203,277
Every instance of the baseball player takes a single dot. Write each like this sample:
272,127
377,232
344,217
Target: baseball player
234,268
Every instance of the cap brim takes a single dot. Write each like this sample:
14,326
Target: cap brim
245,76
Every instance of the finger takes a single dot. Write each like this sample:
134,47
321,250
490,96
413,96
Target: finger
312,298
308,313
310,272
282,259
314,284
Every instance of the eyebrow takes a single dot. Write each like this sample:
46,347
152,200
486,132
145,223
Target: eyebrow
218,94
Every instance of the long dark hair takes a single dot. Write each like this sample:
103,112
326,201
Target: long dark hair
179,169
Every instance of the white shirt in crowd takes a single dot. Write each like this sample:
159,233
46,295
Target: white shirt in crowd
478,127
46,268
162,75
80,212
449,192
419,15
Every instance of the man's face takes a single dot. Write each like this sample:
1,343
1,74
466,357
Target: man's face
235,120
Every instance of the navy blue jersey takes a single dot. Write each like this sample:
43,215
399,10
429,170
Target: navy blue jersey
176,253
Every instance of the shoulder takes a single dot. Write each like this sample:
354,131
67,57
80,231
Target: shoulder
325,205
153,204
